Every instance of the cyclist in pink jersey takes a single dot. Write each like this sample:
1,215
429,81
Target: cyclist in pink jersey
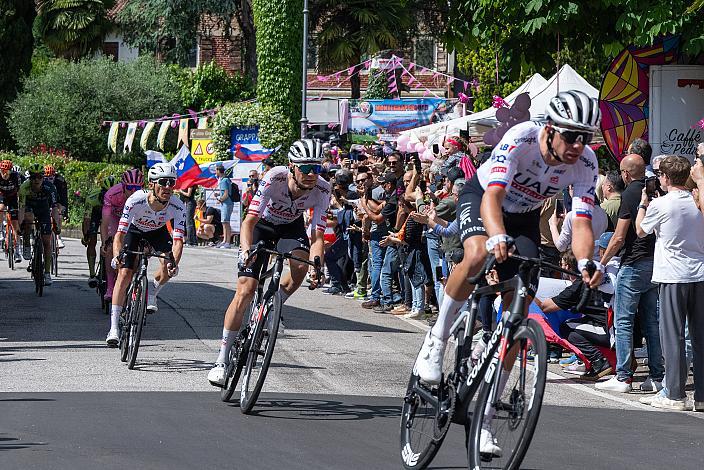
113,203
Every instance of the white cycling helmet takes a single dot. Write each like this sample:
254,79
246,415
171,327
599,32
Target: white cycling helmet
574,109
161,170
306,151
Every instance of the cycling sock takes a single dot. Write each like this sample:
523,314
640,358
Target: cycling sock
115,311
157,287
489,411
228,337
91,265
283,294
447,314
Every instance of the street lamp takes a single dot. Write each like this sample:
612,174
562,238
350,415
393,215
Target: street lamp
304,91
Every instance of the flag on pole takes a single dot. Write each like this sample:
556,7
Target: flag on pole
187,169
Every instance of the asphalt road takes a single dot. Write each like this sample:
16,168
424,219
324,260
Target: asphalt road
331,401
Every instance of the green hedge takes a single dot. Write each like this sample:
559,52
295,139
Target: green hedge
80,176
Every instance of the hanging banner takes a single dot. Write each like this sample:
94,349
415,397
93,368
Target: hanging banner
161,137
202,123
112,136
145,135
182,133
370,118
245,146
202,146
129,138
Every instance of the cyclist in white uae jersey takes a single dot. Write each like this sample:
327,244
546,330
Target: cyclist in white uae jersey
276,213
500,206
144,217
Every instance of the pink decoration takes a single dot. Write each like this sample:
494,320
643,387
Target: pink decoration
350,71
472,149
411,65
499,102
337,75
700,124
463,98
419,147
123,124
465,85
175,123
367,64
322,78
450,80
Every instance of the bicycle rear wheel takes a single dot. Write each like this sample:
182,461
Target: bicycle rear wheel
138,318
260,352
513,417
38,266
54,255
10,246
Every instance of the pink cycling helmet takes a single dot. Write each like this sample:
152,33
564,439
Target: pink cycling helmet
133,176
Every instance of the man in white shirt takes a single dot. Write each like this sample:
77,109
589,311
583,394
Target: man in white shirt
679,269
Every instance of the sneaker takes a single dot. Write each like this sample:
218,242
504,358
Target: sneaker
650,385
47,279
225,246
152,307
488,445
92,282
600,368
577,368
664,403
358,295
113,338
414,315
60,243
18,256
428,365
570,360
381,308
332,290
370,304
27,252
554,355
699,406
216,376
614,385
400,310
351,294
648,399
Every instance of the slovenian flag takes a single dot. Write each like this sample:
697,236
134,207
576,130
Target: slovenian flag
154,157
251,152
187,169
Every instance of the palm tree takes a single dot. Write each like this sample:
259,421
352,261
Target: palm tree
72,28
350,30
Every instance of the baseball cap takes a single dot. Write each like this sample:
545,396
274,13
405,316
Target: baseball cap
220,167
387,178
455,173
604,239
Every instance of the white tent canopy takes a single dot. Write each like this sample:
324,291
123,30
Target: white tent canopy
540,91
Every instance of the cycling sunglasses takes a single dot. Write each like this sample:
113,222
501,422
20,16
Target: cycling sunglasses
166,182
308,169
571,136
133,187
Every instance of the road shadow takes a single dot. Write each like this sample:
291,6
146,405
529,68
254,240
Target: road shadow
13,443
319,410
172,365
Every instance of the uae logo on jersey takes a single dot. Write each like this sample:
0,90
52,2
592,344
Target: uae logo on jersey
554,180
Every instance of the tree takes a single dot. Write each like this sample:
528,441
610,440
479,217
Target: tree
209,85
351,30
279,27
72,28
170,28
16,36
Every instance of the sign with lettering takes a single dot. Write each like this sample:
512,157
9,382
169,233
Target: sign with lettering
676,103
202,146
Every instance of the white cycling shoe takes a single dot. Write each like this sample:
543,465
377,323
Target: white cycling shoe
113,338
60,243
216,376
428,365
47,279
488,445
152,307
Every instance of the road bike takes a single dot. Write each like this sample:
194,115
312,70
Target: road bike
101,285
254,347
134,314
36,264
10,239
54,252
509,377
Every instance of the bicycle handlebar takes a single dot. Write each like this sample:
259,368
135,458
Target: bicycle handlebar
260,247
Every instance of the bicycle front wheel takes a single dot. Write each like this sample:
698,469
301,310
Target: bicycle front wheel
38,267
54,255
138,317
503,428
261,349
10,247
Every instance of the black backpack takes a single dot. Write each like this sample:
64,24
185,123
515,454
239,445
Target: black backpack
234,193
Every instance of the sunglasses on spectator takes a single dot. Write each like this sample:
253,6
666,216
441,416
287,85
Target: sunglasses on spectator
308,169
362,180
571,136
166,182
133,187
657,173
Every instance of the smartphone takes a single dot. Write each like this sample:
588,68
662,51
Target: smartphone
423,185
438,272
652,186
560,208
436,149
416,162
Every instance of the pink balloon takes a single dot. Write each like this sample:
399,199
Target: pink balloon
502,114
472,149
420,147
428,155
403,140
400,146
522,102
490,138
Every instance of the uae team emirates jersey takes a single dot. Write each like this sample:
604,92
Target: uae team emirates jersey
138,213
273,202
517,165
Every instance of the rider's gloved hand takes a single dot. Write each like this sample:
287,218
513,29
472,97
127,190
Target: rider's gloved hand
499,245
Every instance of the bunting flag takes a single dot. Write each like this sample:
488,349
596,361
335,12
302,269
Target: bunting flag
203,123
112,136
145,134
129,138
183,132
161,137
